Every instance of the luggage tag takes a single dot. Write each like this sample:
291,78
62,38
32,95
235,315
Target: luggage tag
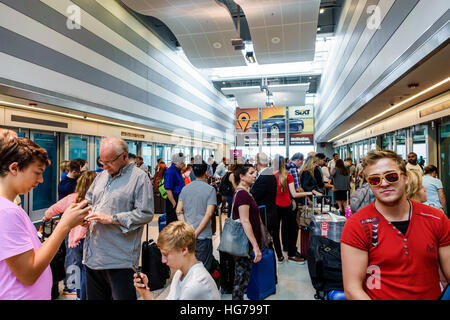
324,229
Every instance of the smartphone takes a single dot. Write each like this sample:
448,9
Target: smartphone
138,271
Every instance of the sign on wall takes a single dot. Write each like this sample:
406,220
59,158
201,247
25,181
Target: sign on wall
301,125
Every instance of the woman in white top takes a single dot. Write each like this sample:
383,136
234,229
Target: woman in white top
191,280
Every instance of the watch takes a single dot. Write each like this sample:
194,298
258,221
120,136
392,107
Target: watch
114,219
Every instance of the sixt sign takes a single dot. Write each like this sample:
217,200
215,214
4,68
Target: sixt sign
301,112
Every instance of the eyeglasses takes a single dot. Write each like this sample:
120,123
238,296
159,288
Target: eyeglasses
390,177
107,163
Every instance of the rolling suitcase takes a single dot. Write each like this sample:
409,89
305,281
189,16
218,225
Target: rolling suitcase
159,202
262,277
304,242
152,266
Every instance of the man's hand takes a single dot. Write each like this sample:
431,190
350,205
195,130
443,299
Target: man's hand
100,217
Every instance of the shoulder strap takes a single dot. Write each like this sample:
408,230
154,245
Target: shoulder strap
232,203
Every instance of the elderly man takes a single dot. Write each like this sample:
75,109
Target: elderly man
122,203
173,183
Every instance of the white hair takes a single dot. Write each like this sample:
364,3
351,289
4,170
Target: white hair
118,144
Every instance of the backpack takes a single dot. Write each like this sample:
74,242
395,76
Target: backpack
225,186
361,198
161,188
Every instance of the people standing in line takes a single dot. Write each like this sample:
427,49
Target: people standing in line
285,192
132,158
122,203
221,169
434,187
341,182
64,166
75,239
191,174
264,191
392,249
24,261
186,173
159,174
307,180
412,163
68,184
359,179
196,205
173,183
332,162
321,171
191,280
351,171
245,209
141,165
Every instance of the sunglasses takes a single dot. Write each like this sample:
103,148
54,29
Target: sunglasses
391,177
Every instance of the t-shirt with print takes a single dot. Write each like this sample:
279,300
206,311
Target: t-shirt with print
242,197
400,267
196,196
283,199
18,235
196,285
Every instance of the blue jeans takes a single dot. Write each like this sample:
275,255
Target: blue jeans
229,200
74,256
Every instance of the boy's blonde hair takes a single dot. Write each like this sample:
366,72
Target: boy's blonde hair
176,236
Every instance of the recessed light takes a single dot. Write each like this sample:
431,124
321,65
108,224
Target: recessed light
318,29
276,40
217,45
322,10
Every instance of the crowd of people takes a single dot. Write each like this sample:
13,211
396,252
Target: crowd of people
102,215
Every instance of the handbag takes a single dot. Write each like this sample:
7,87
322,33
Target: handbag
304,214
266,239
234,241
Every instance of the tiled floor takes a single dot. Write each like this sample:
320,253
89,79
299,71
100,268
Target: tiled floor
293,278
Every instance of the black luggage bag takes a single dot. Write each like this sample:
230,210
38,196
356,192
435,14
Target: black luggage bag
324,265
152,266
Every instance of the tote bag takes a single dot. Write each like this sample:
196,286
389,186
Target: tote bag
234,241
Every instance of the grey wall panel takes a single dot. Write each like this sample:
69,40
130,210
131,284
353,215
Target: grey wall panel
20,47
394,18
112,22
41,12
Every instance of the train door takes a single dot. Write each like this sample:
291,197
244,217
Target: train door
44,195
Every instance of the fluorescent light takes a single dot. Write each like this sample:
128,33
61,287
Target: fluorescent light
392,108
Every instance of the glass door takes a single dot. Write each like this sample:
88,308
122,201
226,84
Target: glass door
76,147
400,140
132,147
444,151
159,152
419,147
147,149
44,195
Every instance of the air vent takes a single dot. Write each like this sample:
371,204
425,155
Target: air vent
41,122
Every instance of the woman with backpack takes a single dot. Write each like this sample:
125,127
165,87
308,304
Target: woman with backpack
341,182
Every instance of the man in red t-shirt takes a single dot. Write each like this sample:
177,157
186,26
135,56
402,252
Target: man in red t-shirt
393,248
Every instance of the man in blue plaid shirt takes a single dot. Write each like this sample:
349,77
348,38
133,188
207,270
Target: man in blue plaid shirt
293,166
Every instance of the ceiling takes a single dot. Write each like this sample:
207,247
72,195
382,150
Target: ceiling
282,94
282,30
204,29
431,70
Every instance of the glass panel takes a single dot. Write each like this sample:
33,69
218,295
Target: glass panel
97,151
147,155
44,195
444,149
420,145
302,149
77,148
168,154
401,143
132,147
159,152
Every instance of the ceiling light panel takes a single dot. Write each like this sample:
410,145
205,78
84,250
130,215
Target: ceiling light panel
204,28
292,23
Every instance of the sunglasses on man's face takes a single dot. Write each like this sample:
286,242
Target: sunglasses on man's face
390,177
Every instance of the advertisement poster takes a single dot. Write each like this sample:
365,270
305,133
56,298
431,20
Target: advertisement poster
247,127
301,125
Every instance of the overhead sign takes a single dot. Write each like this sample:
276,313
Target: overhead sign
301,112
